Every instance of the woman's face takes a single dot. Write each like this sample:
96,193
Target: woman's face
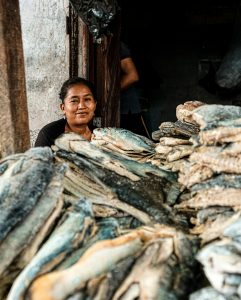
79,105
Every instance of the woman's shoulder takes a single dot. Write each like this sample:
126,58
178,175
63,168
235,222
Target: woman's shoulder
50,132
58,125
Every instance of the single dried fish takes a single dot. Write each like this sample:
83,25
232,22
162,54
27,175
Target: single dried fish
216,161
210,116
184,111
219,181
220,135
178,129
208,293
222,264
33,171
217,196
194,173
172,141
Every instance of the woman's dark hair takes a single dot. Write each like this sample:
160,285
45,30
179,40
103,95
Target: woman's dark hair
72,81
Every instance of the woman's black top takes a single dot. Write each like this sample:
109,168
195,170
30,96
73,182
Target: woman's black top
51,131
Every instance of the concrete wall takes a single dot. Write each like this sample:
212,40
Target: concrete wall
46,55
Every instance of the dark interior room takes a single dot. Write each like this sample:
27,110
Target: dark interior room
178,47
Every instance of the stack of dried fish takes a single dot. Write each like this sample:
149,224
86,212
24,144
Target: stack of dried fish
174,138
75,231
213,173
109,180
30,202
146,263
221,260
124,142
55,249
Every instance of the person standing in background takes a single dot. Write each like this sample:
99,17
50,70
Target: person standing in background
130,108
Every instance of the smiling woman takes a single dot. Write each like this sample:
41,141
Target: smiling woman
78,106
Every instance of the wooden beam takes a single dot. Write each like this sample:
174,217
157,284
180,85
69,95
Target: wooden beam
14,125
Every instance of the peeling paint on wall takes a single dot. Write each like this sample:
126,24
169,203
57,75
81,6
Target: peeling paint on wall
46,56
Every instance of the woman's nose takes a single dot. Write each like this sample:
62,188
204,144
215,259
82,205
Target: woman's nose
81,104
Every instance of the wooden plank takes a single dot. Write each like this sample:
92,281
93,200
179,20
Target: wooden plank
84,46
14,125
108,77
73,42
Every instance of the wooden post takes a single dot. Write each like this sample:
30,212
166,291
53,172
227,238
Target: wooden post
14,125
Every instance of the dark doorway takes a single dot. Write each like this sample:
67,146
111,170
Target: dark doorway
177,47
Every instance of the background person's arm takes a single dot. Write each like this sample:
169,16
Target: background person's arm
129,73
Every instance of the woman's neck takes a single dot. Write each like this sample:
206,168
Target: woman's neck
82,130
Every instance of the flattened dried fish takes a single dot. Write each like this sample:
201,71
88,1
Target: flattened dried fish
179,152
220,135
124,139
221,181
212,197
175,166
33,172
222,264
58,285
211,213
178,129
150,199
105,229
172,141
184,111
62,241
212,230
156,269
22,243
73,142
157,134
125,167
216,161
191,174
99,193
208,293
111,281
209,116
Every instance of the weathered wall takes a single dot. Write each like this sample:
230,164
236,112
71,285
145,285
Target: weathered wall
46,57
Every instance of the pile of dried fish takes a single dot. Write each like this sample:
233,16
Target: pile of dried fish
30,202
174,144
75,229
52,249
99,220
213,170
221,260
124,142
141,190
211,178
184,127
147,263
